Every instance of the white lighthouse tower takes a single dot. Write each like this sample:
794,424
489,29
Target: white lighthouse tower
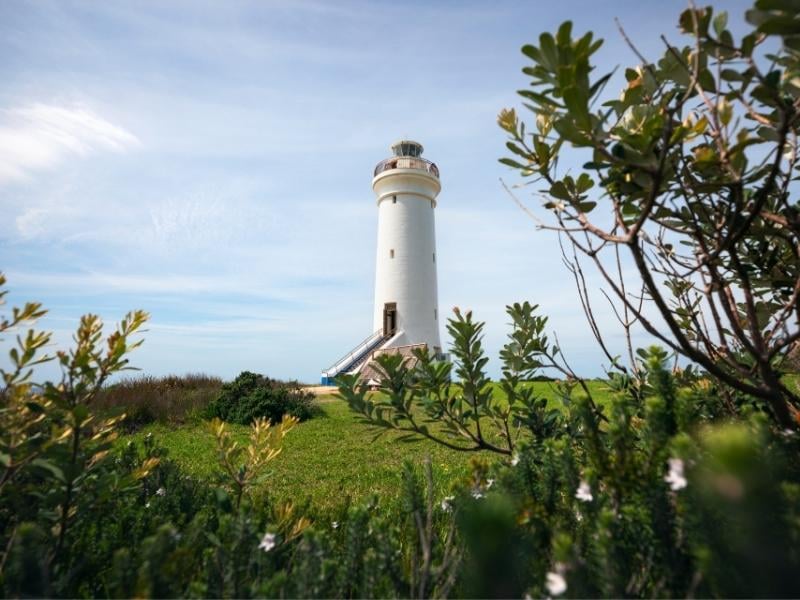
406,312
406,187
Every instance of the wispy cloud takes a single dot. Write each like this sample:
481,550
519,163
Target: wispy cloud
39,136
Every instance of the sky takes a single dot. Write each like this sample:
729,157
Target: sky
211,163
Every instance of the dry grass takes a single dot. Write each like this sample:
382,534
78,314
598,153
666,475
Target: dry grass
171,400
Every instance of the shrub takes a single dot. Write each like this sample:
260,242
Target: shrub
80,517
686,203
646,494
252,396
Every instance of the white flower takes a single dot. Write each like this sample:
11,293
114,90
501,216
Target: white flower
515,460
489,483
556,584
147,505
335,524
447,503
584,492
578,516
477,494
675,477
161,492
267,542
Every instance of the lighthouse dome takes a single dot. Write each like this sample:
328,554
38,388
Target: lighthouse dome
407,148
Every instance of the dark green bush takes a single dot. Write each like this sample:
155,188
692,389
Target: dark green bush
252,396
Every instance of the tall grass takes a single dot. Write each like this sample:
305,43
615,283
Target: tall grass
171,400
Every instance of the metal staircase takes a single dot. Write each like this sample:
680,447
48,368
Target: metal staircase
355,358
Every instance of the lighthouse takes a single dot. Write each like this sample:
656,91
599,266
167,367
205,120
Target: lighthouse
406,186
406,311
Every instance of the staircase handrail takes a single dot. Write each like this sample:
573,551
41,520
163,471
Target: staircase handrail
353,354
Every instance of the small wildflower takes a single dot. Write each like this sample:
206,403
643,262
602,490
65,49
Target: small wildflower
147,505
489,483
675,477
161,492
447,503
477,494
515,460
335,524
578,516
556,584
267,542
584,492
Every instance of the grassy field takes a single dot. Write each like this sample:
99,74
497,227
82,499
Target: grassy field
331,456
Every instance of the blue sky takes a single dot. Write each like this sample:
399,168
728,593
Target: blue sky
210,162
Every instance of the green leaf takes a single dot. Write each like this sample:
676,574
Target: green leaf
532,52
540,99
80,412
564,35
549,52
720,22
559,190
584,183
512,163
780,26
748,43
49,466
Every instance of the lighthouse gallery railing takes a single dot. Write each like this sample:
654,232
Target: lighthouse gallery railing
407,162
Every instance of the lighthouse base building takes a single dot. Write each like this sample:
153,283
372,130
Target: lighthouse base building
406,313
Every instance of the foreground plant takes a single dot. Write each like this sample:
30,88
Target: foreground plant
693,168
470,414
52,446
244,465
646,494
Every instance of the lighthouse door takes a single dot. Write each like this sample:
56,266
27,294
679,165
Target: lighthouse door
389,318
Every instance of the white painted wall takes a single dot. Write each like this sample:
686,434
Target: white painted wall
407,226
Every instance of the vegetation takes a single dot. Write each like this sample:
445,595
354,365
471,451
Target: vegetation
695,162
415,400
656,482
251,396
655,492
327,461
79,520
170,400
686,483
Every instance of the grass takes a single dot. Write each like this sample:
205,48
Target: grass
332,456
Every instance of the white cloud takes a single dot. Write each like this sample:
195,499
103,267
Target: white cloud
39,136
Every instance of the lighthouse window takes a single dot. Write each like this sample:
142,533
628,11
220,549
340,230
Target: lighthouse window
434,257
391,253
394,199
435,316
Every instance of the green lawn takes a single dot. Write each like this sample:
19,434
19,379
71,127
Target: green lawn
331,456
